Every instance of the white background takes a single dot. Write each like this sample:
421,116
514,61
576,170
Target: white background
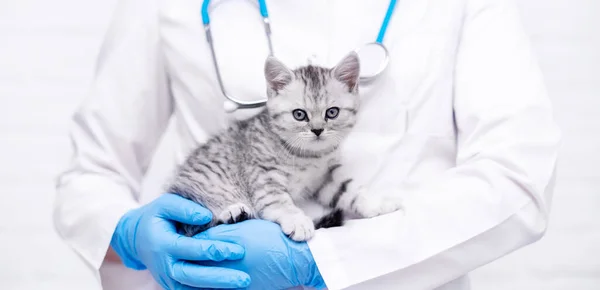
47,54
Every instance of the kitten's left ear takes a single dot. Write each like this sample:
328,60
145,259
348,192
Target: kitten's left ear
347,70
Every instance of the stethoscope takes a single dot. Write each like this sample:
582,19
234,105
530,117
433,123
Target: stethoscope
373,50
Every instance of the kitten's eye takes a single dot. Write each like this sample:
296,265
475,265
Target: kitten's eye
332,113
299,115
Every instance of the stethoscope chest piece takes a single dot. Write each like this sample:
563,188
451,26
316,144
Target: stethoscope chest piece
374,59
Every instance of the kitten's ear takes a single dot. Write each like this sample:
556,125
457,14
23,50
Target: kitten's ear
347,70
277,74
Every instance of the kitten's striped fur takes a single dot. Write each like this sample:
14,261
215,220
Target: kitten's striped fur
267,166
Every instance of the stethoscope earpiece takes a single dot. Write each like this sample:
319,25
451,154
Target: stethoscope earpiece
229,106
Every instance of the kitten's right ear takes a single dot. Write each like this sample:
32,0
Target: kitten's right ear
277,74
347,71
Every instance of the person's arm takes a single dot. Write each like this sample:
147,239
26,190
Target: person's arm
495,200
114,132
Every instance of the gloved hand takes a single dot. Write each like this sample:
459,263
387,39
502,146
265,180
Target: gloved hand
146,238
272,260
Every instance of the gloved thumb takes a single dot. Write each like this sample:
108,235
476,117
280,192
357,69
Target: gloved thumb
176,208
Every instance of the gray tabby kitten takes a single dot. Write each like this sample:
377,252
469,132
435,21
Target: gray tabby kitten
267,166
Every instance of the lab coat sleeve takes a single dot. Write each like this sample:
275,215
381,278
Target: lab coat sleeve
494,201
114,132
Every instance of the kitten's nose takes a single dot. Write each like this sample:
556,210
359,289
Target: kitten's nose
317,131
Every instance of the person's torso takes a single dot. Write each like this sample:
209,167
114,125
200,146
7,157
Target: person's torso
405,133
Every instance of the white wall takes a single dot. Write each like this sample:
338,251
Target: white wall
47,52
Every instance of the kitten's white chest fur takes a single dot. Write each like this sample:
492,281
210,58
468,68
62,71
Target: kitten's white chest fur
305,180
307,177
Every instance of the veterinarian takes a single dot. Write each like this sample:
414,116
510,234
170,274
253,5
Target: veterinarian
459,124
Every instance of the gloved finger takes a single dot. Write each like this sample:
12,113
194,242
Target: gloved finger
193,249
185,211
179,286
209,277
223,232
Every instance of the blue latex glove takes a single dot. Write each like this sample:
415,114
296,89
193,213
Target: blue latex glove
146,238
272,260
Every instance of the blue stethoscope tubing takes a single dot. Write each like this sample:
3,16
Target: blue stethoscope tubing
386,21
232,103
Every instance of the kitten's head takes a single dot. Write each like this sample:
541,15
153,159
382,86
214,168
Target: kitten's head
313,108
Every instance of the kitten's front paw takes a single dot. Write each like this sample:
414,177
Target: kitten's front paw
298,227
236,213
372,206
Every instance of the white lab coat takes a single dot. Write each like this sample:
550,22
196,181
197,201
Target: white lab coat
459,125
